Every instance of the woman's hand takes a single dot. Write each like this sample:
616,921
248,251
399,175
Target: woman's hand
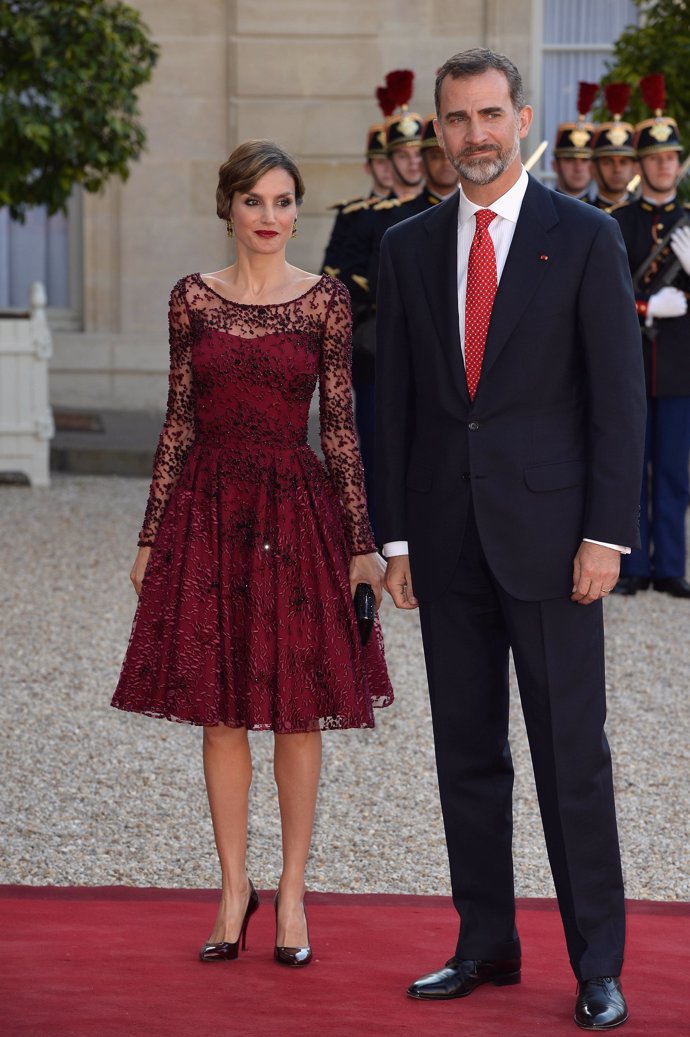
139,568
369,569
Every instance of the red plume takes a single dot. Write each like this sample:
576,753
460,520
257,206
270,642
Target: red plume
617,96
585,96
386,102
400,83
653,90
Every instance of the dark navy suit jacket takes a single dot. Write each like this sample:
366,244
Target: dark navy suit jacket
550,451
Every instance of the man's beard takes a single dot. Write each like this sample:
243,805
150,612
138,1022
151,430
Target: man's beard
488,169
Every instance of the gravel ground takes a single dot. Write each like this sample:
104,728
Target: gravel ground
93,796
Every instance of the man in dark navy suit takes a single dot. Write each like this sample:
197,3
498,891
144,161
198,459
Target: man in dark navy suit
510,429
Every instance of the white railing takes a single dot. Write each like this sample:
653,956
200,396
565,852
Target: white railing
26,420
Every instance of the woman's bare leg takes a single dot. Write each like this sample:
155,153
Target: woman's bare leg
297,765
228,773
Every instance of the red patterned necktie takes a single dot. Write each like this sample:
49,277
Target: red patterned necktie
481,291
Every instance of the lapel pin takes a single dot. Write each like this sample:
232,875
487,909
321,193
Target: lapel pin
543,258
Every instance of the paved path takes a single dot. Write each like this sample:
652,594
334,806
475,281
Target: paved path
94,796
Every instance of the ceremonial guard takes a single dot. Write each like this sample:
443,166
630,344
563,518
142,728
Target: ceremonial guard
403,147
573,148
613,152
656,230
440,180
377,165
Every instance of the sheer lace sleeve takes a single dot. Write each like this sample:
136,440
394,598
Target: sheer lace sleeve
338,437
177,434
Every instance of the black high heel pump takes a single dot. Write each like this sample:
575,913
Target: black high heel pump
225,951
293,957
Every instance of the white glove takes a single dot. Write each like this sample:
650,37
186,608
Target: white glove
668,302
680,243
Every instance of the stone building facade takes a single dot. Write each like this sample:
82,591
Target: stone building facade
302,72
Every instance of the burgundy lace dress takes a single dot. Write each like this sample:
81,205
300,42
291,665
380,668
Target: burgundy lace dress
245,615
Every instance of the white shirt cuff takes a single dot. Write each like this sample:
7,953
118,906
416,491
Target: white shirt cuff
615,547
399,547
395,547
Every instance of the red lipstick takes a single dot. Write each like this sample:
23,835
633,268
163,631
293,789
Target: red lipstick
267,233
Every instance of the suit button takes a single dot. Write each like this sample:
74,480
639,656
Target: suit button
465,476
473,426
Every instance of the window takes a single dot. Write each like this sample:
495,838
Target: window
578,40
46,249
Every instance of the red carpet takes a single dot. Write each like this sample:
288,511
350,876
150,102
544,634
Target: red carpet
120,962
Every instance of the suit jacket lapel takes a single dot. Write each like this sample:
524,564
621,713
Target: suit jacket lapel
439,271
525,267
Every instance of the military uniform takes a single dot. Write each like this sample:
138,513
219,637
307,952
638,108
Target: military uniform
605,204
666,355
667,368
368,221
360,271
362,230
389,216
333,257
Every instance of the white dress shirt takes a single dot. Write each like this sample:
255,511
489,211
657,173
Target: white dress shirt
501,229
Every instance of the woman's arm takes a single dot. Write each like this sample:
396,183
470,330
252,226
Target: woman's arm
178,430
339,439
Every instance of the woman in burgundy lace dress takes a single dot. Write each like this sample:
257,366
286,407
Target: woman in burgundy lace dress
250,549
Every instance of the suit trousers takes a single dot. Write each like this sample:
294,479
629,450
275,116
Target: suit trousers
558,652
665,487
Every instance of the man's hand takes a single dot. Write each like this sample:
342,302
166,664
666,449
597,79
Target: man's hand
398,582
595,572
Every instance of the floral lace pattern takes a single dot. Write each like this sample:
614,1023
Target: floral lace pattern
245,615
317,324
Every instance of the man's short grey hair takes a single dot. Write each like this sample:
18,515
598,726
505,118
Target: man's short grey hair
473,63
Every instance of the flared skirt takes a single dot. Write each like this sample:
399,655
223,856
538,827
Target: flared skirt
245,616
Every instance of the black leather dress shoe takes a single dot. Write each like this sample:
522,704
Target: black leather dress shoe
629,585
600,1004
676,586
458,978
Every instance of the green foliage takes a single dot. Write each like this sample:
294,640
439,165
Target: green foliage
661,43
69,74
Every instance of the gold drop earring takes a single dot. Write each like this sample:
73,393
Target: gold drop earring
231,232
294,230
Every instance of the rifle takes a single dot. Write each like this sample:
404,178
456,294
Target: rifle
661,267
661,261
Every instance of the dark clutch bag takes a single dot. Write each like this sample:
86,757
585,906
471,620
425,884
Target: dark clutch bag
364,337
365,610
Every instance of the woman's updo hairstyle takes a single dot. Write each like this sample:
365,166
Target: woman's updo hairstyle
246,165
